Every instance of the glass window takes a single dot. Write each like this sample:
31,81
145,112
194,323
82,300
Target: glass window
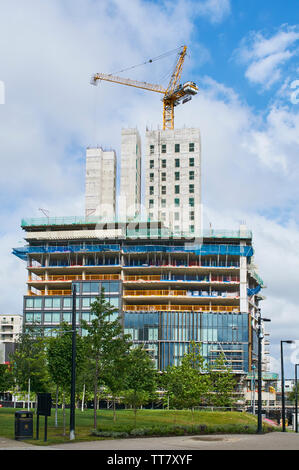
48,318
176,148
163,163
163,189
114,301
67,302
191,175
191,215
29,317
191,188
163,176
85,316
177,175
151,190
177,162
86,302
48,302
55,317
37,303
152,177
177,202
163,148
37,317
163,202
177,189
151,203
86,287
56,303
67,317
152,149
176,216
114,286
152,164
191,161
191,201
29,303
191,147
94,287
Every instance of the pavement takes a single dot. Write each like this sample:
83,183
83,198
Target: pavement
270,441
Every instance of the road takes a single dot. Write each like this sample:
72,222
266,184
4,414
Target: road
271,441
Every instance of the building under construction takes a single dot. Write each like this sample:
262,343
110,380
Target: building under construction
171,281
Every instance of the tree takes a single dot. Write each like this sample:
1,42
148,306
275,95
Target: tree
223,383
187,384
28,362
116,375
6,378
103,339
141,379
59,359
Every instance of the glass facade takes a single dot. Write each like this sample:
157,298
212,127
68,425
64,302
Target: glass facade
49,312
173,331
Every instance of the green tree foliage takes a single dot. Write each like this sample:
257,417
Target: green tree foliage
29,361
223,383
141,379
187,385
59,356
103,341
59,360
6,378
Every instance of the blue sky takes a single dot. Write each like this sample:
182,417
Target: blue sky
244,57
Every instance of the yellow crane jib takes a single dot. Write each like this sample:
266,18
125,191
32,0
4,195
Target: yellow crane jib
174,94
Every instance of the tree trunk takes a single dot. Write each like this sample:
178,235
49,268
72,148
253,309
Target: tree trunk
95,402
114,412
83,398
135,413
56,407
63,407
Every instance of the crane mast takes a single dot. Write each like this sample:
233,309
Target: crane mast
173,95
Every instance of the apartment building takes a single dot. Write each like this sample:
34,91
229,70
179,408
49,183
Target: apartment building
173,178
10,327
169,290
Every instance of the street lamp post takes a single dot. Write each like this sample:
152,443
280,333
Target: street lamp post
296,399
259,372
73,371
282,384
253,390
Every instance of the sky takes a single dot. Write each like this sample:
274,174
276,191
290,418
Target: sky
243,57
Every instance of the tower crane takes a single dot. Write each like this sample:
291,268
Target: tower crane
174,94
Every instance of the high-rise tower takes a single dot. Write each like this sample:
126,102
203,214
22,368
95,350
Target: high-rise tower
173,178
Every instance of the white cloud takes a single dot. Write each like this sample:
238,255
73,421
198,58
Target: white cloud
265,56
214,10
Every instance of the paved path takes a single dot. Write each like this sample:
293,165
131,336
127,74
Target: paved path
271,441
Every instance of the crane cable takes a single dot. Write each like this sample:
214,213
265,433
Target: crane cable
148,61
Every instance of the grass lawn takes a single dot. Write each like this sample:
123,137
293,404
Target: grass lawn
221,421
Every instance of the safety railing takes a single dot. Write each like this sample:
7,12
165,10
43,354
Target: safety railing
79,277
175,308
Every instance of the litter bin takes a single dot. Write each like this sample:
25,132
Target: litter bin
23,425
